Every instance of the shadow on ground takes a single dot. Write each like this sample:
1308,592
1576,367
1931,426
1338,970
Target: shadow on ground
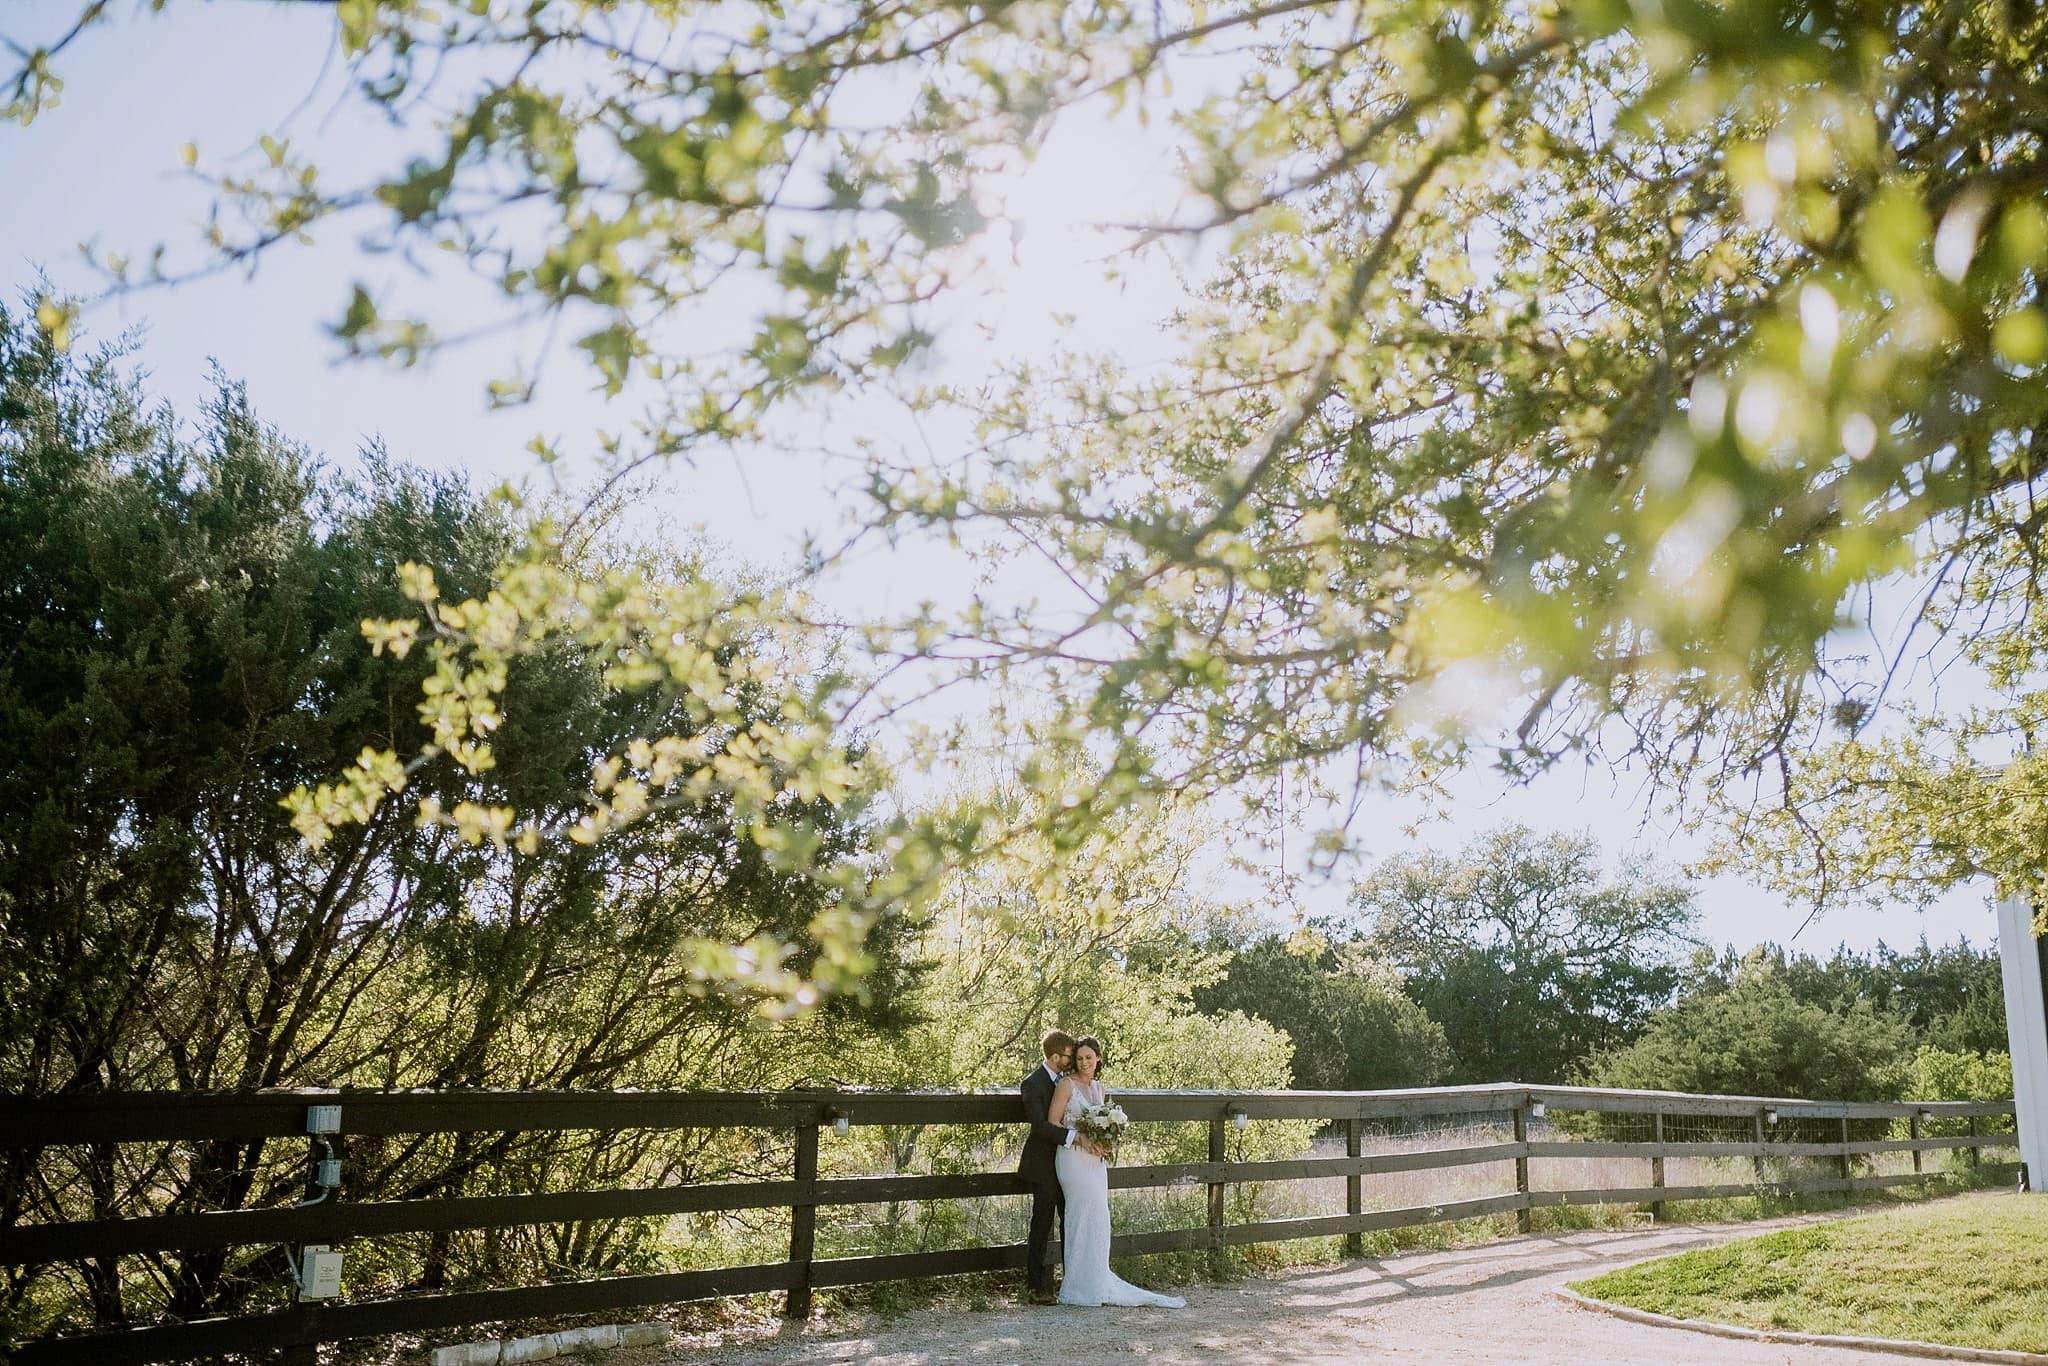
1489,1303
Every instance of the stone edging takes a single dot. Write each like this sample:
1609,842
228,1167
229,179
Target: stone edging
1902,1347
548,1346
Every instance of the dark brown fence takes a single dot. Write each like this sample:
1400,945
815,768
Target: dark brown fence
1508,1124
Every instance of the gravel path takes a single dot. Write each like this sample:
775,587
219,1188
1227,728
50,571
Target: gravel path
1488,1302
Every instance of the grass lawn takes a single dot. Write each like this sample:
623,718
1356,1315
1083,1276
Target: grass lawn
1970,1272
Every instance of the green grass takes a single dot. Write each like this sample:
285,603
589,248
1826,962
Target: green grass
1969,1273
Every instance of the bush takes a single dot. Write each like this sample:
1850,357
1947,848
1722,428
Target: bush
1757,1038
1943,1074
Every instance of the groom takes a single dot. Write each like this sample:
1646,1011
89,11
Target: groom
1037,1166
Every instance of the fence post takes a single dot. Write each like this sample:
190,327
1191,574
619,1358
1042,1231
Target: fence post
1216,1155
306,1313
1845,1148
1354,1185
803,1222
306,1316
1913,1132
1756,1127
1522,1220
1657,1166
1975,1151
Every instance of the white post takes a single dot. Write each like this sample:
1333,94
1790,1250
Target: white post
2022,958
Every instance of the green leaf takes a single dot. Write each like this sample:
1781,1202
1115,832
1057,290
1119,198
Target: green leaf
2021,337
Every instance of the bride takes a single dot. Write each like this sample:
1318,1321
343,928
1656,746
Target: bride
1084,1177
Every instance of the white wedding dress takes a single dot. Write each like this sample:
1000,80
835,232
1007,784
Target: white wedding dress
1084,1178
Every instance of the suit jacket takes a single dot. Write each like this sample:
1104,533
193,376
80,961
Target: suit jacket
1046,1138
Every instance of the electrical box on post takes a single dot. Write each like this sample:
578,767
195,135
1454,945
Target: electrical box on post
319,1273
323,1119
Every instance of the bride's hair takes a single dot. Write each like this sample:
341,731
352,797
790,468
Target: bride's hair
1101,1056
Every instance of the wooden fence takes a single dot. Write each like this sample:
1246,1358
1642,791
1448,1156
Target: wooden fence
1566,1123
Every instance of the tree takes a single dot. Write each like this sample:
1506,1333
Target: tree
1352,1026
183,619
1523,953
1951,1074
1905,807
1758,1038
1602,351
1951,999
1107,936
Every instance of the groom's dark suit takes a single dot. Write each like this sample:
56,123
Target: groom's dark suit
1037,1167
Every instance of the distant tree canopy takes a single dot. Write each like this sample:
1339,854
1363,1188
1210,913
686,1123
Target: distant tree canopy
1518,959
1759,1038
1353,1027
1596,353
1524,952
1928,1024
1952,998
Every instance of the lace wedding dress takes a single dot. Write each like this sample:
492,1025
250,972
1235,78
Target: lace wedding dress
1085,1179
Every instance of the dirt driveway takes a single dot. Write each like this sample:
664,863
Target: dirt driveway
1490,1302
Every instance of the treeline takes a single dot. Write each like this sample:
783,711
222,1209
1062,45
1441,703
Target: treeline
1517,959
1924,1024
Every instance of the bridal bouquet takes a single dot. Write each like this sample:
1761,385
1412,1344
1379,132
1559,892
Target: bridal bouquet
1104,1123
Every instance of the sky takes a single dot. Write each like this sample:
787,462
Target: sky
105,166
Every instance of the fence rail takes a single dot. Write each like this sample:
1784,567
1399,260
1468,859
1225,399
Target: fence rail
28,1127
